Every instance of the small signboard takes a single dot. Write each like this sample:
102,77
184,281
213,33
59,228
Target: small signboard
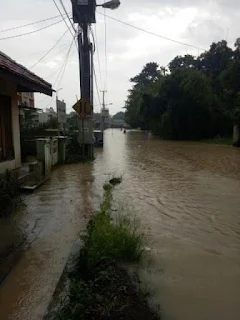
83,108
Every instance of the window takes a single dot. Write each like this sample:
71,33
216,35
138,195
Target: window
6,144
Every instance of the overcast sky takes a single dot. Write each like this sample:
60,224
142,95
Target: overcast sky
195,22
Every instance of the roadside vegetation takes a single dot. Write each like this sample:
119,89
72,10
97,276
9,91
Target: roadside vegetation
219,140
8,190
73,151
99,287
194,98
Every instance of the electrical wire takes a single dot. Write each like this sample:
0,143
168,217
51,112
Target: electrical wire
152,33
96,85
98,55
52,74
30,24
65,65
73,35
34,65
38,52
62,71
31,32
63,6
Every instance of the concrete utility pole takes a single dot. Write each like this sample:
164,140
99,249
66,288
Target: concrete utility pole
103,109
85,49
103,103
84,15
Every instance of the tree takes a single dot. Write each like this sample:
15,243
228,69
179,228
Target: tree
185,105
230,80
150,73
192,101
119,115
214,61
183,62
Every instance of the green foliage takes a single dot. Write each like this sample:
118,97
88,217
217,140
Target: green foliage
199,99
98,288
108,294
72,122
8,190
219,140
110,239
230,80
119,116
186,62
29,129
73,151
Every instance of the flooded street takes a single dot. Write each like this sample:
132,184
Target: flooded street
187,197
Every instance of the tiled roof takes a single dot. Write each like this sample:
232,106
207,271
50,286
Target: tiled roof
8,64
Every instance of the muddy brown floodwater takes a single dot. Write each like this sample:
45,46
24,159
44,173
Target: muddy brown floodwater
187,196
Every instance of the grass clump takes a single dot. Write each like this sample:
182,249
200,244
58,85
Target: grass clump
112,239
99,288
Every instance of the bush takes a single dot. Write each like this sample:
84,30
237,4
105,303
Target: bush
111,239
73,151
8,190
99,289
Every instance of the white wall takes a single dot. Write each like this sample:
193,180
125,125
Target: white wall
10,89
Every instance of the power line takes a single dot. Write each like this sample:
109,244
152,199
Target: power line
52,74
30,24
31,32
38,52
65,65
62,71
34,65
152,33
98,55
67,15
73,35
96,84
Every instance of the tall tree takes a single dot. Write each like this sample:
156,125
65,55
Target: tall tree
214,61
150,73
183,62
230,80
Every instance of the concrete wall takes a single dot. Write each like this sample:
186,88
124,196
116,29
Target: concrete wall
10,89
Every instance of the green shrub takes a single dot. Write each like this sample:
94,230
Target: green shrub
8,190
107,238
99,289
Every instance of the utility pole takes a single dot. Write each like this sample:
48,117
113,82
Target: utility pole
84,15
103,103
103,109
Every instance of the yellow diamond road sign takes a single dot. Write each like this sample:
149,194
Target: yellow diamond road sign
83,108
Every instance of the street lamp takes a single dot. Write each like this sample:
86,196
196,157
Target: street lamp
113,4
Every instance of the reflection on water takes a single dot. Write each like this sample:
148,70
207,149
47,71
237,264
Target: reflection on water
187,196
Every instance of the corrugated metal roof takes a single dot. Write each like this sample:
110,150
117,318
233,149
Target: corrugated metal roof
8,64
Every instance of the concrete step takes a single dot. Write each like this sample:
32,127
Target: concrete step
33,184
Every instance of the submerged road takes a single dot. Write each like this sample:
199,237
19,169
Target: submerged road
187,197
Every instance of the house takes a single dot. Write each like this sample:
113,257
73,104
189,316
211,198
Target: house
41,117
14,79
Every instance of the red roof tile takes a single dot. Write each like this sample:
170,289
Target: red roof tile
8,64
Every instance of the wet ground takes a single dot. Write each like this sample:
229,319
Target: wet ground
187,197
